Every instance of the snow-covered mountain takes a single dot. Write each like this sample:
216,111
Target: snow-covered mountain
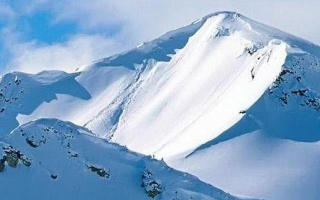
52,159
227,99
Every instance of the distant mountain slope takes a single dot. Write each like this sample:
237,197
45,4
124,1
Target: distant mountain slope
258,165
208,87
22,93
52,159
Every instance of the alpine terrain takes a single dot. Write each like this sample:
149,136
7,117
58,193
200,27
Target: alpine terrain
226,99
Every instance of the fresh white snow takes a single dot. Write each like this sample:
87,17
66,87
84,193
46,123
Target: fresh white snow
258,165
227,99
58,160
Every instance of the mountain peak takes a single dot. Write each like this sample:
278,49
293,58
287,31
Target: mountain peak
190,97
227,15
223,23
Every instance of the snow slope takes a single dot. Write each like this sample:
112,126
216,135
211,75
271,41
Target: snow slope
52,159
22,93
274,149
225,98
258,165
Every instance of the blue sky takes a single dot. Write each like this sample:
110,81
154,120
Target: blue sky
48,34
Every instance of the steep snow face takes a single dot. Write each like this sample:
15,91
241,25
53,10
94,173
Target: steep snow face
273,150
52,159
200,92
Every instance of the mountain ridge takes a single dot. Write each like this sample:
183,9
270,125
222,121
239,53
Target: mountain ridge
223,81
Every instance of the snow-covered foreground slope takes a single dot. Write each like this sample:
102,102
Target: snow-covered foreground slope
52,159
227,99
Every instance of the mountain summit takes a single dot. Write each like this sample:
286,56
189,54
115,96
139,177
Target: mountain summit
227,99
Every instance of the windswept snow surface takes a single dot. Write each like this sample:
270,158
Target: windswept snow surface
183,103
228,99
274,149
58,160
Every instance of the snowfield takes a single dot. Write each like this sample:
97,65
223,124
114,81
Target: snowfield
227,99
52,159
